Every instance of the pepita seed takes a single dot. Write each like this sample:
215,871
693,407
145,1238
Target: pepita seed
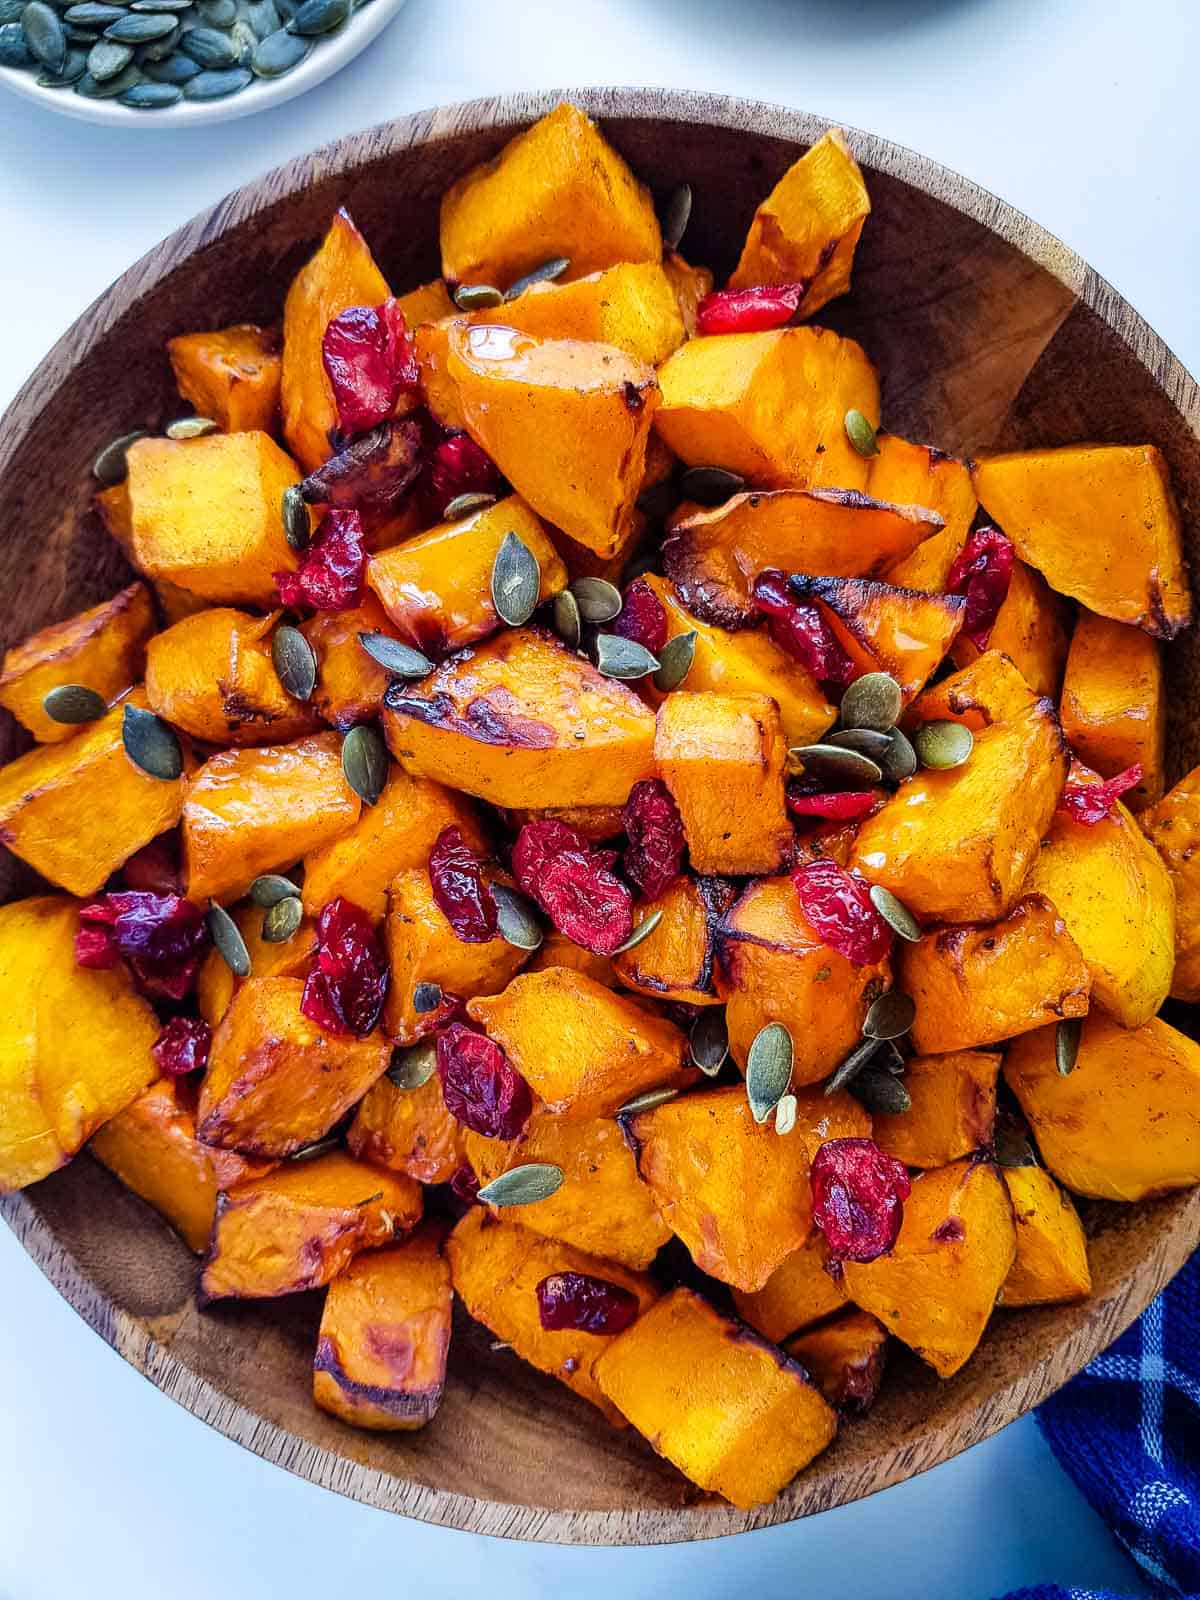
322,1147
624,658
283,920
546,273
106,58
212,85
160,5
872,701
218,13
78,35
74,703
263,16
643,931
876,746
895,913
1067,1037
475,296
73,68
768,1069
14,52
394,656
1011,1144
111,89
516,581
175,69
208,47
861,434
900,762
365,763
151,96
942,745
44,35
295,661
151,744
567,621
426,997
10,11
141,27
597,599
517,921
710,486
189,427
676,215
675,661
464,505
271,888
245,41
278,53
319,16
880,1093
785,1114
158,49
413,1068
851,1065
647,1101
708,1041
227,938
523,1186
297,523
110,466
831,764
890,1016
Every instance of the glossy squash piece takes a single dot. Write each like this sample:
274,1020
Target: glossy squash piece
1113,706
953,1109
231,375
1052,1262
800,1291
1032,627
677,960
350,683
408,1130
597,823
1173,828
844,1357
992,689
919,475
289,958
883,629
428,302
690,285
557,950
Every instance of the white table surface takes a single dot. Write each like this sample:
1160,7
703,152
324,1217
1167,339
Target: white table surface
1080,112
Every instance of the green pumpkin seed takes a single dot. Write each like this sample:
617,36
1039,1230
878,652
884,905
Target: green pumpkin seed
624,658
675,661
643,931
655,503
708,1041
151,96
676,215
394,657
413,1068
597,599
44,35
476,296
110,466
942,745
567,621
73,69
283,920
785,1114
861,434
881,1093
271,888
189,427
768,1069
1067,1038
297,523
523,1186
278,53
106,58
517,921
245,41
872,701
209,48
365,763
210,85
833,765
465,505
546,273
710,486
160,5
876,746
319,16
323,1147
264,18
426,997
895,913
141,27
73,703
900,762
158,49
92,89
851,1066
14,52
647,1101
227,938
152,744
218,13
10,11
78,35
516,581
175,69
295,662
890,1016
1011,1144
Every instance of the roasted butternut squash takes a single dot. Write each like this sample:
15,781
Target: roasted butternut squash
1032,627
800,1291
844,1357
899,631
557,950
1173,828
690,285
677,961
919,475
953,1109
409,1130
1052,1262
215,982
597,823
991,689
350,683
230,375
429,302
1113,704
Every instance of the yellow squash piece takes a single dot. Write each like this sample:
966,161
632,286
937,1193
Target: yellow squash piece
690,285
844,1357
898,631
291,958
1032,627
991,689
952,1113
557,950
429,302
350,683
1114,705
1173,828
677,960
1052,1262
920,475
409,1130
800,1291
230,375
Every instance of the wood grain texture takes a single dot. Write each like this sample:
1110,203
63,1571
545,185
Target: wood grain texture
988,332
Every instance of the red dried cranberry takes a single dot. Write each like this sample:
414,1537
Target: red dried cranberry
160,936
982,571
95,947
858,1195
654,855
332,569
536,843
840,806
642,617
839,910
182,1046
1090,803
766,305
370,361
464,1185
345,991
373,472
155,867
463,898
458,466
573,885
801,630
480,1086
582,1303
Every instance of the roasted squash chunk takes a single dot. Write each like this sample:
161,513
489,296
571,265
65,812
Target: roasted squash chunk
952,1113
728,1409
1125,1123
583,1050
409,1130
882,629
206,514
496,1267
152,1147
597,823
385,1335
1173,828
1100,523
429,302
602,1203
350,683
302,1224
713,557
558,189
844,1357
1032,627
677,961
956,845
74,1043
215,982
1052,1262
771,406
800,1291
919,475
991,689
230,375
976,985
342,273
565,421
77,811
690,285
779,970
276,1081
1113,706
722,757
501,721
557,950
436,588
212,675
957,1244
103,649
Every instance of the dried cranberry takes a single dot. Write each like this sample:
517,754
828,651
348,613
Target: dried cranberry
182,1046
370,361
982,571
573,885
464,1185
332,569
155,867
582,1303
463,898
839,910
458,466
345,991
766,305
95,947
160,936
654,855
1090,803
536,843
642,617
858,1195
840,806
480,1086
800,628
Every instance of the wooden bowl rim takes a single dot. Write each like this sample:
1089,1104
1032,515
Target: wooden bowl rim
1180,1228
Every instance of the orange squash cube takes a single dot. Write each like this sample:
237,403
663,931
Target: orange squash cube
953,1109
1032,627
844,1357
350,683
230,375
557,950
690,285
1113,703
408,1130
1173,828
800,1291
991,689
429,302
290,958
1052,1262
677,961
899,631
919,475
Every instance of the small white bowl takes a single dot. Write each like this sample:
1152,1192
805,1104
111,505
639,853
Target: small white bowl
329,53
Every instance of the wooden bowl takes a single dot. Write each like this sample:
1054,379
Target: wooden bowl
988,332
